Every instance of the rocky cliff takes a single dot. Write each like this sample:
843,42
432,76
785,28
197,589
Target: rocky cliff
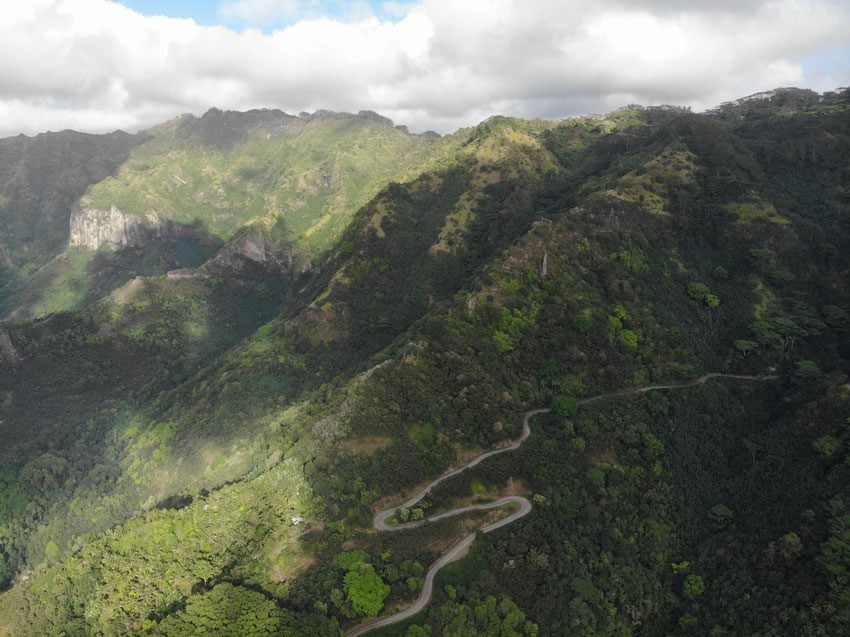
254,245
92,228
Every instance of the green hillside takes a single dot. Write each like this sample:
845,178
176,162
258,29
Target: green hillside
220,453
310,173
303,176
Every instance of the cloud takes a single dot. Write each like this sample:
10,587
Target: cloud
277,12
440,64
260,11
396,9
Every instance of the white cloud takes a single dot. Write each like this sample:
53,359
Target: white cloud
260,11
396,9
96,65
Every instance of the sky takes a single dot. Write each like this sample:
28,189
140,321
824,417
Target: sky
101,65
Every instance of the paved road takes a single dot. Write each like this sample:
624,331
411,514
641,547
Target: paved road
699,381
460,549
380,521
456,552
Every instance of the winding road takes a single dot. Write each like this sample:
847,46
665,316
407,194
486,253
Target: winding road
523,505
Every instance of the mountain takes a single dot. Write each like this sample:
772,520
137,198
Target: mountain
205,449
171,197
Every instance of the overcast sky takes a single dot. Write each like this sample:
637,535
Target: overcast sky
97,65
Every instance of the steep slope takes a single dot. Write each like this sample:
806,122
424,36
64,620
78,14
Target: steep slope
193,183
309,173
153,321
542,263
40,179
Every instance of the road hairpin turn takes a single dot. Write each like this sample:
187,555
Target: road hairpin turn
459,550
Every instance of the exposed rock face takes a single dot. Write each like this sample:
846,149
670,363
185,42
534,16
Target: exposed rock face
92,228
184,274
8,353
253,245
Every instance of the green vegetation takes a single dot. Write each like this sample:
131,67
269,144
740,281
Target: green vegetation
565,406
208,451
693,586
747,211
366,590
309,174
303,176
475,616
41,178
226,610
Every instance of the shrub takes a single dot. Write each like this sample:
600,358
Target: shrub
565,406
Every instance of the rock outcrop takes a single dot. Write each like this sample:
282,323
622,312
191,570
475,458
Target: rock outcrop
92,228
253,245
8,353
184,274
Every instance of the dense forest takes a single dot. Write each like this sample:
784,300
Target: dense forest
194,439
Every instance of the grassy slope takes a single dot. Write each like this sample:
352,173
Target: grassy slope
305,176
78,277
311,173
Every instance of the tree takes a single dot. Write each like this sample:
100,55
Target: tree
698,291
720,513
808,371
366,590
780,331
46,472
226,610
630,339
688,621
827,447
790,546
837,318
632,256
835,559
746,347
479,617
3,565
808,377
565,406
549,370
349,560
51,551
503,342
653,445
615,325
694,586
